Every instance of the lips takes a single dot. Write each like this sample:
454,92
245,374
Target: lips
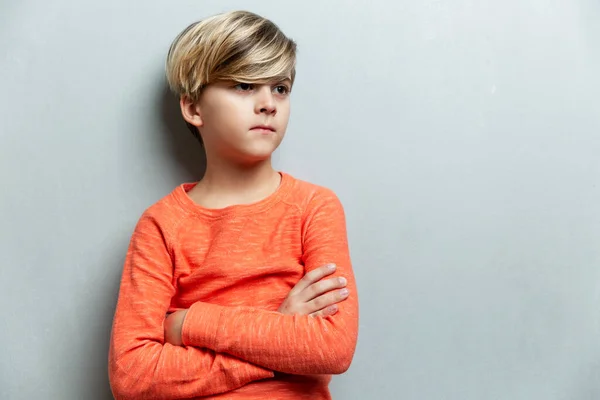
263,128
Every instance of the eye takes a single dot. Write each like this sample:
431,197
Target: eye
282,89
244,87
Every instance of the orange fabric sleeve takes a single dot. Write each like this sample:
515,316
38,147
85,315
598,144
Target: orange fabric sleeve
141,364
298,344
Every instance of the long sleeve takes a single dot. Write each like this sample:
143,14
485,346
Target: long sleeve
296,344
141,364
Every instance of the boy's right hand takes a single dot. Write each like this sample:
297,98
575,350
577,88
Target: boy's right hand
314,297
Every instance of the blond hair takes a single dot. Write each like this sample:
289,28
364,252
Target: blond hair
238,46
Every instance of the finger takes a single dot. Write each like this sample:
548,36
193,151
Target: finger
327,311
326,300
321,287
312,277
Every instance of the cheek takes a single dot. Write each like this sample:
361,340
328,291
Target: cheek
224,117
284,114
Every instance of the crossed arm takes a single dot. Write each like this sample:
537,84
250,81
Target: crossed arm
215,357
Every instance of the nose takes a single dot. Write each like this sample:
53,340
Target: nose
265,101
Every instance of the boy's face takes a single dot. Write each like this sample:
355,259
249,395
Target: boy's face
243,122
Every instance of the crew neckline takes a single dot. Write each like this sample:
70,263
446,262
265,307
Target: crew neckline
181,195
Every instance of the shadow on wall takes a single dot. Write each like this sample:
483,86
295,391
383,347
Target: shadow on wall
92,372
177,140
187,162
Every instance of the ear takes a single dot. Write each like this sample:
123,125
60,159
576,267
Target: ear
191,111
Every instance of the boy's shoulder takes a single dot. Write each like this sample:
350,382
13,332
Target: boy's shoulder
168,210
309,193
310,188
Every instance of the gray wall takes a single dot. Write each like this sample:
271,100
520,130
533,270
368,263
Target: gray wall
463,138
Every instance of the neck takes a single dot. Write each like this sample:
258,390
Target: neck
226,184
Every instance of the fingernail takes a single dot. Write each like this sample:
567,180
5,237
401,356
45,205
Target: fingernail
331,267
344,292
342,280
333,309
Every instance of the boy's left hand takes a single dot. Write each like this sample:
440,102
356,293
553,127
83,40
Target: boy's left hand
173,325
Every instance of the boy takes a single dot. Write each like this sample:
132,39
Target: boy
223,293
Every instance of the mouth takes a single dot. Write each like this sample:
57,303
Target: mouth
263,128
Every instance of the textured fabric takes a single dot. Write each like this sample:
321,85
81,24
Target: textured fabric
232,268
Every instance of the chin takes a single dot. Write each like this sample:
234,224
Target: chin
246,157
256,158
260,153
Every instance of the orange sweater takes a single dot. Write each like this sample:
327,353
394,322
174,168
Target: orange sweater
232,268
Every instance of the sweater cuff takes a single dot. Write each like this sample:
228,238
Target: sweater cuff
200,325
